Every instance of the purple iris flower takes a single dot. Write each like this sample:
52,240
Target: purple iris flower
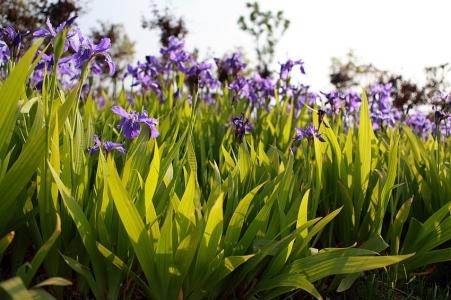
260,89
334,99
381,97
4,53
147,74
381,110
441,115
286,68
131,123
50,31
352,101
242,126
321,115
420,123
229,67
309,133
175,54
86,50
240,86
301,95
12,39
200,75
107,146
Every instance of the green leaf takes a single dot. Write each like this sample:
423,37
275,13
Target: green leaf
396,228
388,185
316,229
10,93
288,123
244,161
118,263
5,242
27,275
292,281
149,191
185,211
84,228
56,281
326,264
85,272
363,156
131,219
31,156
208,248
17,291
164,254
236,222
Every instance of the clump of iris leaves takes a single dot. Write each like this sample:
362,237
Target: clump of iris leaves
191,184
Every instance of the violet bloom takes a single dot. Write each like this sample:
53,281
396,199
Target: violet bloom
229,67
146,74
201,76
86,50
50,31
240,86
100,103
441,115
301,95
4,53
107,146
242,126
334,99
175,54
65,68
131,123
12,39
260,89
381,110
420,123
352,101
286,68
321,115
308,133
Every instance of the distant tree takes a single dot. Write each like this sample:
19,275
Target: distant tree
32,14
28,15
348,73
122,48
166,23
62,10
267,28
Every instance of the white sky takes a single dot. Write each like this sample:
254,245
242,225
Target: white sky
399,35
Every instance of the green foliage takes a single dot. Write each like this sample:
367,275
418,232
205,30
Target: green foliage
197,213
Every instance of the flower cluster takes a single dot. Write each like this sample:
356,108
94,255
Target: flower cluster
241,126
310,132
146,74
156,73
286,68
175,55
107,146
10,42
230,67
381,112
131,123
78,51
200,76
85,50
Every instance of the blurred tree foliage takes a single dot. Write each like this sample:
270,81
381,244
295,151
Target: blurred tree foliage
32,14
349,73
164,21
266,28
122,47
